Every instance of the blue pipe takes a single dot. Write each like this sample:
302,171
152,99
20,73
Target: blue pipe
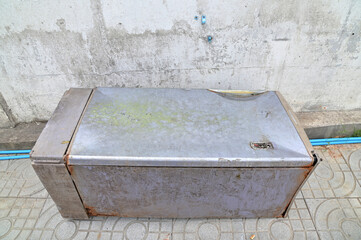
14,157
333,141
15,152
347,140
340,141
336,139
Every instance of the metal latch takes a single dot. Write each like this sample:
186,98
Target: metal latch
262,145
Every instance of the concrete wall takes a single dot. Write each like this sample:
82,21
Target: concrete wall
309,50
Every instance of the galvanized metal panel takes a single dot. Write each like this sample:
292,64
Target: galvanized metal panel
187,192
55,137
186,128
57,181
48,153
297,124
196,132
317,161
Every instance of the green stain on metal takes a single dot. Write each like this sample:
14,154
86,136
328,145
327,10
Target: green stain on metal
136,115
140,116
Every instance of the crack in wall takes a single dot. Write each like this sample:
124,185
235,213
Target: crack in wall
7,110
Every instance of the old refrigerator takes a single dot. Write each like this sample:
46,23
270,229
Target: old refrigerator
173,153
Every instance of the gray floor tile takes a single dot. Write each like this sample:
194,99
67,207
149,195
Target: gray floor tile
336,218
353,159
332,178
20,214
298,225
207,228
18,179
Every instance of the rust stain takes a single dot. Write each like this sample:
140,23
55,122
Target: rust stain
283,214
167,237
308,166
305,173
66,158
339,146
313,164
334,153
261,145
70,169
92,212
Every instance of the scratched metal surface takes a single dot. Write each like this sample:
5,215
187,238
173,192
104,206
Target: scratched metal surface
175,127
55,137
48,153
187,192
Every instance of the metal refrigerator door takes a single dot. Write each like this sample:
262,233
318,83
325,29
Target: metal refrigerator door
187,192
186,154
186,128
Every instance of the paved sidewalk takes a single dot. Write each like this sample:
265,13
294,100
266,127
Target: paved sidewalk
328,207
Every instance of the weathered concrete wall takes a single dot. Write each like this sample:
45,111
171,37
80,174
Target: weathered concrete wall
309,50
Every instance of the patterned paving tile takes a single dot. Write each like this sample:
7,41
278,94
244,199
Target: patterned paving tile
353,159
332,178
336,218
298,225
53,226
208,229
32,218
18,216
18,179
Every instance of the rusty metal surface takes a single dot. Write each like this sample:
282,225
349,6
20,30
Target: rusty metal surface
48,153
186,128
317,161
171,153
58,183
55,137
187,192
